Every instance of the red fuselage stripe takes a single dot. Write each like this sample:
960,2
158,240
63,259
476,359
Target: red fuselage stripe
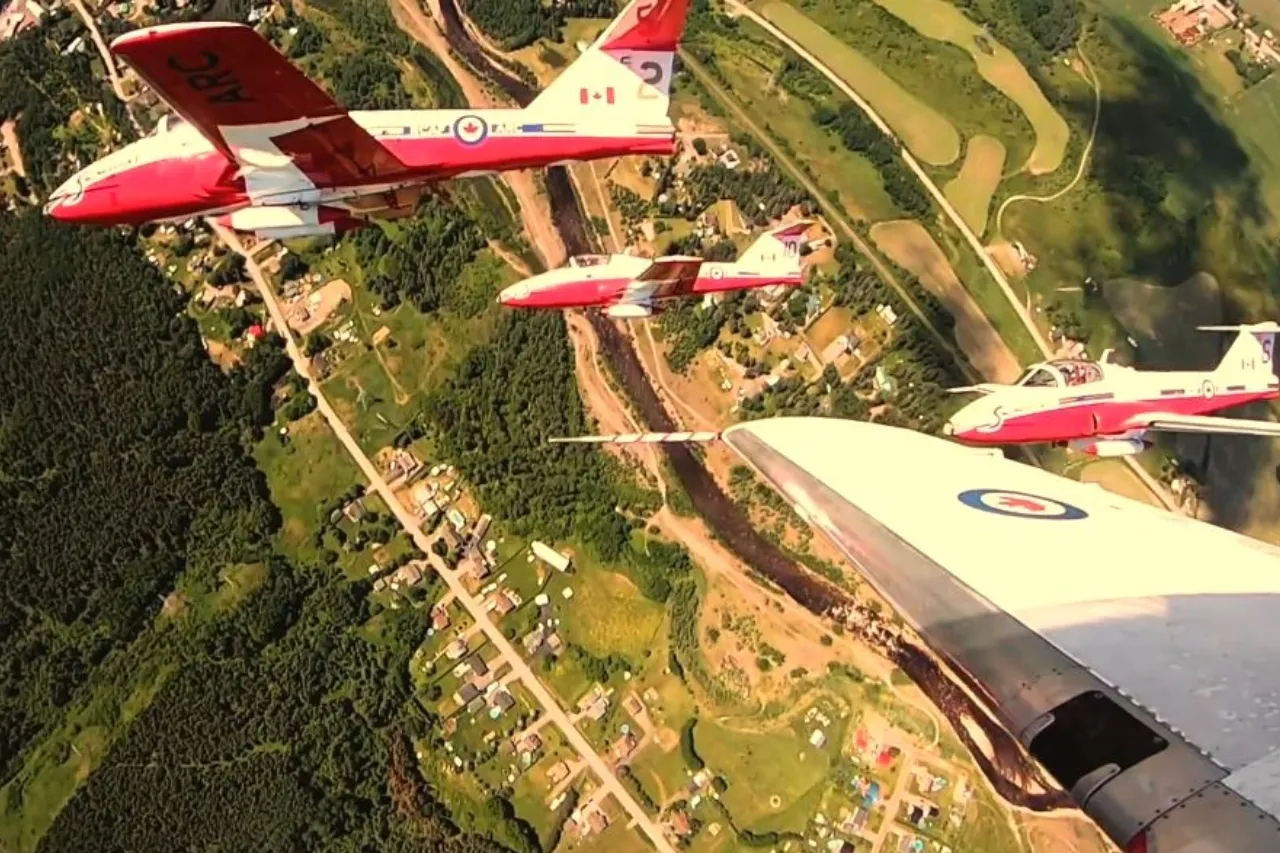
1094,419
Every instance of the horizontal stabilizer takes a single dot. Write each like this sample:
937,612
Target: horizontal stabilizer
640,438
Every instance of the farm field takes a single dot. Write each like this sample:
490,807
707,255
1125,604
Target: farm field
943,21
928,134
750,64
1114,476
972,189
910,246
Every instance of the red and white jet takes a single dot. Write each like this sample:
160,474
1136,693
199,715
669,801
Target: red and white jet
267,149
1105,409
630,287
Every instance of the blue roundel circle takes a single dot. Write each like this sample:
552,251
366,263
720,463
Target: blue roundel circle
470,130
1020,505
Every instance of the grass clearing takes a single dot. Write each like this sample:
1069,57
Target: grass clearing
910,246
304,473
928,134
937,19
971,191
631,626
759,767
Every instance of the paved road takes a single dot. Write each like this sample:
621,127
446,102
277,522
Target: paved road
971,238
521,669
107,59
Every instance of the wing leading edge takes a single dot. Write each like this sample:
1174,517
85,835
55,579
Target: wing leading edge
1047,593
1211,425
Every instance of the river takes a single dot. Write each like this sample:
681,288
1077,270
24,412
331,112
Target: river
1009,765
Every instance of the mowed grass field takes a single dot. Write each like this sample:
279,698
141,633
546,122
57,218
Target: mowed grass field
910,246
750,64
607,614
760,766
940,20
971,190
926,132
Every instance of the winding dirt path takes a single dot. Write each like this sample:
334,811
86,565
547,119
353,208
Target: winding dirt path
1092,77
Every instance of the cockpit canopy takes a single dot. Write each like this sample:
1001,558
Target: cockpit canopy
168,124
579,261
1060,373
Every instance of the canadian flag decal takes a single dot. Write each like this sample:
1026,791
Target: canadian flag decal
586,96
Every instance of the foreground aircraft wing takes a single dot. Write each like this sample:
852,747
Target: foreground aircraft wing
1131,651
1205,424
665,278
255,106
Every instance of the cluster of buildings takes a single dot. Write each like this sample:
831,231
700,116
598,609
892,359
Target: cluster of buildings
1190,21
481,689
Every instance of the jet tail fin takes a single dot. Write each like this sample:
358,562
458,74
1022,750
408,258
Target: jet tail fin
625,76
1253,349
778,248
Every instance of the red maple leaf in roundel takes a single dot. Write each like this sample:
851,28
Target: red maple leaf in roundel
470,127
1022,503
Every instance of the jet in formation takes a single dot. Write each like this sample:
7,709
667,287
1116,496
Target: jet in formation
630,287
1130,651
261,148
1106,409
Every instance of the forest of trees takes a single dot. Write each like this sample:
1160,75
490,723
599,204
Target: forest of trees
415,259
493,417
1035,30
860,134
517,23
121,451
42,89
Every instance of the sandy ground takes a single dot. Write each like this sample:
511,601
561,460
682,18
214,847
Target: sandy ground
535,208
9,136
221,355
1002,252
332,294
909,245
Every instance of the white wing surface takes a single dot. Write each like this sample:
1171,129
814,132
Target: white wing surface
1133,652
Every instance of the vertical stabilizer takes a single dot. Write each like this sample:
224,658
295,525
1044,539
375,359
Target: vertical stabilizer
778,248
1252,351
625,76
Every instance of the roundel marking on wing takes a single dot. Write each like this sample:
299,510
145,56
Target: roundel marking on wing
1020,505
470,130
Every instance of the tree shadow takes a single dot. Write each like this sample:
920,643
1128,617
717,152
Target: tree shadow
1179,196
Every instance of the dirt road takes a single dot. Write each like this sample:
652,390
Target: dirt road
9,138
535,208
420,539
107,59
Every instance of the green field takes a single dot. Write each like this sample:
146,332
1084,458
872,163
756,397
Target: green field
941,20
928,134
749,64
971,191
312,468
632,625
760,766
